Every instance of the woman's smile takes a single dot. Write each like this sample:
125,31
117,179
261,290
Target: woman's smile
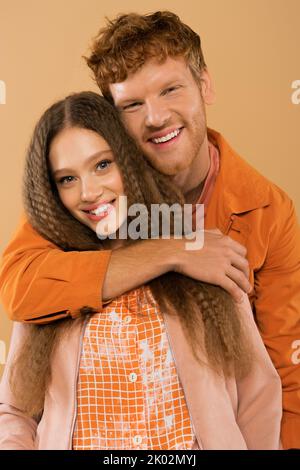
100,211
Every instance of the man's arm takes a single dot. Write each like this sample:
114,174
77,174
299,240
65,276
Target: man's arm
221,261
41,283
277,309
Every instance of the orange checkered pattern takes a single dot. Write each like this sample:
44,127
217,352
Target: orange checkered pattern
128,393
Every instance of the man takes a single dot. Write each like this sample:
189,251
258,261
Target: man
152,68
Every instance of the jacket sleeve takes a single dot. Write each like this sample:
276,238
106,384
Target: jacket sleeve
17,431
259,393
40,283
277,309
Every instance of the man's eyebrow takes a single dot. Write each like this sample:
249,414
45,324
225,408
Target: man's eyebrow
170,83
88,160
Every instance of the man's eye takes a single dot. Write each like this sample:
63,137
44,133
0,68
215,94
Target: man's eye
131,106
169,90
103,164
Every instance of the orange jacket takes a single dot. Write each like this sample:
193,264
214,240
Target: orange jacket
41,283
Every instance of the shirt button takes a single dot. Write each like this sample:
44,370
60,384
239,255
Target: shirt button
137,440
127,319
133,377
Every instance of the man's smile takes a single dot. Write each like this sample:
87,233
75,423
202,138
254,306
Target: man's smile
162,139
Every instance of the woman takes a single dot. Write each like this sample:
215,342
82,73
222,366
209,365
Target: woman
171,365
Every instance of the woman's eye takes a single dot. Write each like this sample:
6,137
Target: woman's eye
103,164
65,179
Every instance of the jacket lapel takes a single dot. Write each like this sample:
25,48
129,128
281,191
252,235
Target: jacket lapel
207,398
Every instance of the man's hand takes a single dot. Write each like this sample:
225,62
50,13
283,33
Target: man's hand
221,261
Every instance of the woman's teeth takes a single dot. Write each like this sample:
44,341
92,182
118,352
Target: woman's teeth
166,137
100,209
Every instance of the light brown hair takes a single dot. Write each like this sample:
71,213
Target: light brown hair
127,42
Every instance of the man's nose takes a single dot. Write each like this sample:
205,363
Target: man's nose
91,189
157,114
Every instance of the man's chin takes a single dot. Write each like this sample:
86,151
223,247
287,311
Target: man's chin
169,168
174,172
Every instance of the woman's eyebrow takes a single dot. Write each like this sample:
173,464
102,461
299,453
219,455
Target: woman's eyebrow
88,160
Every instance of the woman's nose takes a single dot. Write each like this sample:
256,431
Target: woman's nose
91,189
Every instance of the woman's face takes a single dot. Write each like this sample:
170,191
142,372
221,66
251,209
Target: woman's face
88,179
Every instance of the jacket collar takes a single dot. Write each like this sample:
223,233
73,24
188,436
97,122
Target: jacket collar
243,188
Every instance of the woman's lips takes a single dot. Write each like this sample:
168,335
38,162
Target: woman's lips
97,218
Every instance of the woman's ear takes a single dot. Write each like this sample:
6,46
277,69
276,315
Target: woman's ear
207,88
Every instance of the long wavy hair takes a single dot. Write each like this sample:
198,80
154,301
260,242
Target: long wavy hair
207,312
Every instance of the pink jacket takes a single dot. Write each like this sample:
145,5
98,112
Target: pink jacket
226,414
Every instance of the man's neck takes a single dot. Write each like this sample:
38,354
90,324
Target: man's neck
192,180
192,196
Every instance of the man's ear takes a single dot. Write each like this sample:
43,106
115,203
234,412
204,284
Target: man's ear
207,88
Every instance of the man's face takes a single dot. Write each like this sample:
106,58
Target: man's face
162,108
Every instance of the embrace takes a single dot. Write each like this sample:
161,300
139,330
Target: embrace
135,341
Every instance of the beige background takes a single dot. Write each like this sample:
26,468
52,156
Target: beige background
252,48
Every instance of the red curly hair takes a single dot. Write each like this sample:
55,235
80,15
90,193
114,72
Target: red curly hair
125,44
